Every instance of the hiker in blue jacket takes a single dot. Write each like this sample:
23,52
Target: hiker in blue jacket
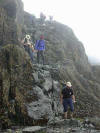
40,48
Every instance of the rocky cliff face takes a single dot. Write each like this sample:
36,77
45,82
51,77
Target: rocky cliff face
96,71
64,50
10,23
30,93
11,20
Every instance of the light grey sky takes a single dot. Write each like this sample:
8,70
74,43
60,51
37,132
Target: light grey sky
83,16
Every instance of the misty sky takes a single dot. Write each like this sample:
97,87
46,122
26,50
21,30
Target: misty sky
83,16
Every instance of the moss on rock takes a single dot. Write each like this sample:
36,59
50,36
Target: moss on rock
16,80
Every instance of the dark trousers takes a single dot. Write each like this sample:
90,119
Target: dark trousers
40,53
29,50
68,102
31,55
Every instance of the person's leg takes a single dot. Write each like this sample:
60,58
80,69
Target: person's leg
71,107
38,57
29,51
26,48
65,106
71,115
42,55
65,115
31,55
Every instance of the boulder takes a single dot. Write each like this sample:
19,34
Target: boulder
40,110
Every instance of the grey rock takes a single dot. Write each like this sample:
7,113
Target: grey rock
47,74
56,85
47,67
40,109
34,129
35,75
91,126
53,120
40,75
38,91
75,122
47,85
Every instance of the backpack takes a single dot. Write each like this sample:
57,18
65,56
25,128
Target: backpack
25,41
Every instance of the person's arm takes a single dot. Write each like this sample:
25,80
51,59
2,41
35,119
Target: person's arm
32,48
44,45
73,97
22,41
36,45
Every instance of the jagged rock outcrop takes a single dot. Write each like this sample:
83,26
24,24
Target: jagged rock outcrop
25,96
8,29
11,57
16,81
11,21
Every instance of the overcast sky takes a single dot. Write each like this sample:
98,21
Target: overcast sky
83,16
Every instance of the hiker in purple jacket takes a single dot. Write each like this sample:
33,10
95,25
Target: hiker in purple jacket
40,48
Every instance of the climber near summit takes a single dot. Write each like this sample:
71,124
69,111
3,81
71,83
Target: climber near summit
40,48
67,98
28,46
42,18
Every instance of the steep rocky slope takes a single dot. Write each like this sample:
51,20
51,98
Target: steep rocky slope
29,94
96,71
63,49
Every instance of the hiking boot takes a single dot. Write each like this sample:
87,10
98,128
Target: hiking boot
71,115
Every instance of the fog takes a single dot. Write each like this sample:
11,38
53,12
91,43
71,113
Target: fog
81,15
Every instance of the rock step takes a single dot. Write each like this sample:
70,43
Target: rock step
67,122
34,129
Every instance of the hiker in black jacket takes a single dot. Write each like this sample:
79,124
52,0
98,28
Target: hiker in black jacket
67,99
